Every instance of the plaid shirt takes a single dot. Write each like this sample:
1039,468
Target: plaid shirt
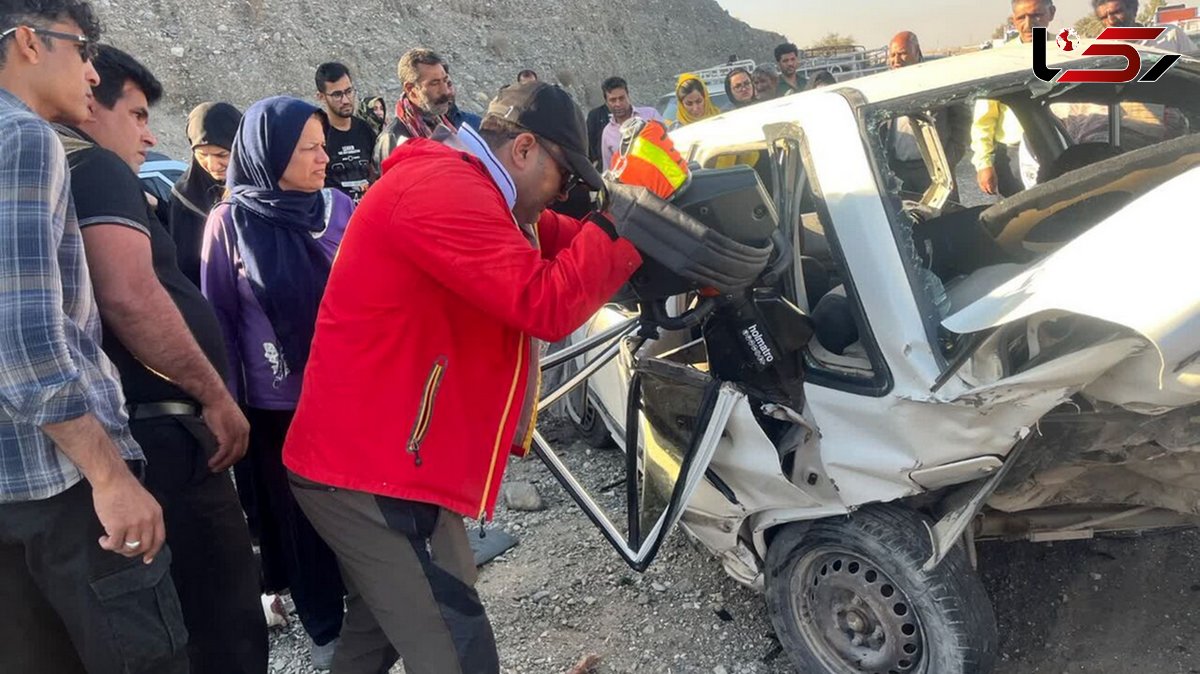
51,366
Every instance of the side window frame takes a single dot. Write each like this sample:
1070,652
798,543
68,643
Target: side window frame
792,171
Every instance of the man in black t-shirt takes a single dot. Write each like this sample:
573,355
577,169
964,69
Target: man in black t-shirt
348,139
165,340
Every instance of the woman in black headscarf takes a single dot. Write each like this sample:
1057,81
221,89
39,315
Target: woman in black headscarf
739,87
211,128
374,112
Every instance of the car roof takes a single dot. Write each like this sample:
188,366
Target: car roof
1007,62
1013,58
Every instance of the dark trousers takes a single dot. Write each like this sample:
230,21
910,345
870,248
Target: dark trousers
70,607
293,556
212,562
411,576
1007,161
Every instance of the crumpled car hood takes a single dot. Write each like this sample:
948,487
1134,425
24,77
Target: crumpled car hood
1140,269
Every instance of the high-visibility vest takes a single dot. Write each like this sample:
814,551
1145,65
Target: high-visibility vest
647,157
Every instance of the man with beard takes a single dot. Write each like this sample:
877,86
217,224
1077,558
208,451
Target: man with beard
766,82
787,57
424,105
458,116
348,139
424,369
1142,123
1123,14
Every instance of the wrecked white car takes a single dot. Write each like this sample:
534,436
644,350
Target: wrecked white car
840,386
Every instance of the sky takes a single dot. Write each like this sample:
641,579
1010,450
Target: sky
938,24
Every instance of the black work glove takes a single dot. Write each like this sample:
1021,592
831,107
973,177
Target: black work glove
601,220
620,204
684,245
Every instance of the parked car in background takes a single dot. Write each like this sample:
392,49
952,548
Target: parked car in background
159,173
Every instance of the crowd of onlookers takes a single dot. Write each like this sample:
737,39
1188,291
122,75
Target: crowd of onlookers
146,349
363,131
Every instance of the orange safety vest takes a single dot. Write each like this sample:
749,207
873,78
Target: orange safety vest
648,158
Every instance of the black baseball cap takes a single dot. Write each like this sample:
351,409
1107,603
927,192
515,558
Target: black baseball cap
549,112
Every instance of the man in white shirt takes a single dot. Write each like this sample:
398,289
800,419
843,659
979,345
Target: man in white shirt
953,125
620,109
1142,123
1123,14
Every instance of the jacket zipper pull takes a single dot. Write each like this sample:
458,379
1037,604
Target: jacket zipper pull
415,450
482,531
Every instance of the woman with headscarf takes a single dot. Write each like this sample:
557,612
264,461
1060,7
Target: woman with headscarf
267,255
739,87
210,130
694,102
373,111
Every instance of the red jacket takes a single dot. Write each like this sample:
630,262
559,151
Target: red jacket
420,360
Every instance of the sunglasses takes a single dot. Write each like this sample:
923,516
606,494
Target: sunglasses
569,179
87,48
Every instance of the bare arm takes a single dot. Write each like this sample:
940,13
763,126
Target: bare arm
131,518
41,383
136,307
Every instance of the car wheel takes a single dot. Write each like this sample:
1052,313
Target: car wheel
584,415
848,596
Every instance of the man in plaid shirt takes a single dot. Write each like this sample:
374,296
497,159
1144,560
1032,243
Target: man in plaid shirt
84,581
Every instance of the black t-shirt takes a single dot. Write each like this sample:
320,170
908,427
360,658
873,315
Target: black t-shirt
106,191
350,151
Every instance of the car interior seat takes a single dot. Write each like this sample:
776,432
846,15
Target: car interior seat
1076,157
1107,184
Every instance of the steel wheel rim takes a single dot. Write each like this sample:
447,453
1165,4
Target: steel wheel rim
588,415
854,617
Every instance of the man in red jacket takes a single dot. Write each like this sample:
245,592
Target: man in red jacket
423,374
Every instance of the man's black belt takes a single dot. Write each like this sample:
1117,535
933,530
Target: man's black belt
166,408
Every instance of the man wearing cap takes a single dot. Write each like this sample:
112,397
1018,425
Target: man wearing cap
423,376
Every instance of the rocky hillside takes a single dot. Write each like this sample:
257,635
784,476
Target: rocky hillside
242,50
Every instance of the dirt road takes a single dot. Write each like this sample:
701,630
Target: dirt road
1109,606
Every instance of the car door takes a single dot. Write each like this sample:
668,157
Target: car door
680,412
674,415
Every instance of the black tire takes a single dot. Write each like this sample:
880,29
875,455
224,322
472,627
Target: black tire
863,581
584,416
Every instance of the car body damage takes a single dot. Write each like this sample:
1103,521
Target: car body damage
1101,454
1128,428
1027,367
1093,275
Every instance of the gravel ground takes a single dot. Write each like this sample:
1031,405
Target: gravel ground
1106,606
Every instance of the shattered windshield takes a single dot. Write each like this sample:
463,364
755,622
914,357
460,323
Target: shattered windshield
984,181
